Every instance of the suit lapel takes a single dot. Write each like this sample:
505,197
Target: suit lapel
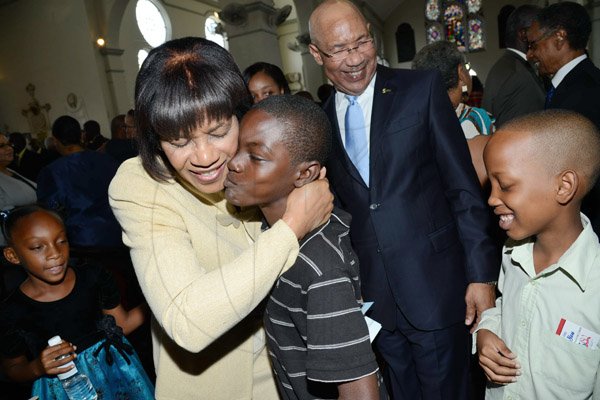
565,85
383,98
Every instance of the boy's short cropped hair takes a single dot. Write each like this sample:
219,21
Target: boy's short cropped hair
563,140
307,133
67,130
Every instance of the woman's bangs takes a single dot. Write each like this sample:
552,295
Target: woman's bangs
187,104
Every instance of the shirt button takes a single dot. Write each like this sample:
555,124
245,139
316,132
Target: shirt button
378,250
523,323
374,206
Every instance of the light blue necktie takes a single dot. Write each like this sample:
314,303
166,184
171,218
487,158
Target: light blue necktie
356,138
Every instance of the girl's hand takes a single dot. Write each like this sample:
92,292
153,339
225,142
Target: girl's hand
309,206
53,358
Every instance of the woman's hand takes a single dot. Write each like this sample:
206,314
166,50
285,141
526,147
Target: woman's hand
309,206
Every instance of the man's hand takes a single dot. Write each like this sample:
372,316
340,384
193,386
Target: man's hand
479,297
498,362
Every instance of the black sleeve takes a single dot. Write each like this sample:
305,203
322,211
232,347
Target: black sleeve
12,342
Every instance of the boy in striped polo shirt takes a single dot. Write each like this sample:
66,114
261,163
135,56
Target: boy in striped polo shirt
316,334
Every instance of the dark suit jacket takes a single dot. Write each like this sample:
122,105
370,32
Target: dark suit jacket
580,91
512,89
422,229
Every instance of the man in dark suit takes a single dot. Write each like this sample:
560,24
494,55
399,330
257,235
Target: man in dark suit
420,225
557,41
512,87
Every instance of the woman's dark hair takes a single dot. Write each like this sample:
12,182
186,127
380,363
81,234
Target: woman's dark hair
183,84
442,56
12,217
271,70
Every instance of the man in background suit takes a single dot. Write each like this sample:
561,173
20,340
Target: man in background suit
512,87
557,41
420,225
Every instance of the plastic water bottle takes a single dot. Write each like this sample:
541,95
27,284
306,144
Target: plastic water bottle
76,384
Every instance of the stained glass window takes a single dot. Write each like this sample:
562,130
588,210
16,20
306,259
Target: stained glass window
458,21
476,41
434,33
432,10
453,22
473,6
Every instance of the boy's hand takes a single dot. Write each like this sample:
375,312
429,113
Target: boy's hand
53,358
498,362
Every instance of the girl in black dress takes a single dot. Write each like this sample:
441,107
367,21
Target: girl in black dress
80,304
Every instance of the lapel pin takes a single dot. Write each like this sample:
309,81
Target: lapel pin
386,90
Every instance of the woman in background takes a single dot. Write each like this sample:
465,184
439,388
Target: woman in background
476,123
15,189
264,80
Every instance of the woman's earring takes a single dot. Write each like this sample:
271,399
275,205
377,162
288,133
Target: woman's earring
465,89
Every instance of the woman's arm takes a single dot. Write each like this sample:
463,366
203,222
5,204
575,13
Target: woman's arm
200,278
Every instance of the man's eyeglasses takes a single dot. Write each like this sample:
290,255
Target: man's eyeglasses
532,44
339,55
4,145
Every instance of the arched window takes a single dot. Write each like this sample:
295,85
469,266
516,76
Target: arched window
405,42
459,21
142,54
213,30
154,25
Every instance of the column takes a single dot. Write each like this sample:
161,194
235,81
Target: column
251,30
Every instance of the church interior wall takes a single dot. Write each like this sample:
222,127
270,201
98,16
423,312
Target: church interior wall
50,44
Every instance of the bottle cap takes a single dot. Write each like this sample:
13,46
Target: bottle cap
53,341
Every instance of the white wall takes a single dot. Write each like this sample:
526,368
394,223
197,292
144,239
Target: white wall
47,43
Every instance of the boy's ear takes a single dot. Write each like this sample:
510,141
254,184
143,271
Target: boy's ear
11,255
308,172
568,185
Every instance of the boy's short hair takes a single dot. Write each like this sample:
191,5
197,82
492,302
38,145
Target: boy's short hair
563,140
307,133
67,130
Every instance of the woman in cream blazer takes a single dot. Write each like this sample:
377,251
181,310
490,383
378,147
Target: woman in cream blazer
202,265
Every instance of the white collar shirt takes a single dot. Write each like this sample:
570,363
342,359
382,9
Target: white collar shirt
519,53
565,69
528,314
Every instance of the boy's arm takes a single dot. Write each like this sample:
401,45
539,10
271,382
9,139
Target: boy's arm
495,358
365,388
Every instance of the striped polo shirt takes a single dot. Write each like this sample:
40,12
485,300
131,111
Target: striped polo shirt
316,334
